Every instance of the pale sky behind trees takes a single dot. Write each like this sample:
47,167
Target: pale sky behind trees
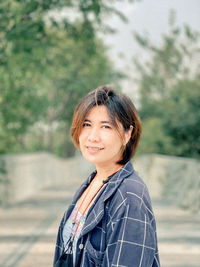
146,16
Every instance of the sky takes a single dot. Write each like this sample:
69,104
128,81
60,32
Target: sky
145,16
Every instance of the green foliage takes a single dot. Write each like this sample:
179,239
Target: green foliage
46,64
169,85
182,119
154,137
3,179
2,171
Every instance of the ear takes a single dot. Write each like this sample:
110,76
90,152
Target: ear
128,135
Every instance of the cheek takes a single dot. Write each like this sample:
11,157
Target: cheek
80,140
120,145
116,143
81,136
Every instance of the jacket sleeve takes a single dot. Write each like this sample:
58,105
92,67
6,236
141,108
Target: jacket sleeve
131,237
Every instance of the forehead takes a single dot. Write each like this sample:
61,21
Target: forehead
99,113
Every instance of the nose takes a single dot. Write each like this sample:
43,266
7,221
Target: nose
94,135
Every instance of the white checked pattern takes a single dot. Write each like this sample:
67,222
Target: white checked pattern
120,227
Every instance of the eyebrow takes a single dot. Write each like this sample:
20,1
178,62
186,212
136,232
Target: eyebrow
109,122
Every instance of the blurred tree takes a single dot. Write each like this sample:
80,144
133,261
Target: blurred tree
182,119
169,86
154,139
72,72
47,61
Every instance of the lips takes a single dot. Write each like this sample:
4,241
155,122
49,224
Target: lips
94,148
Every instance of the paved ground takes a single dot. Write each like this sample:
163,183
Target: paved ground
28,231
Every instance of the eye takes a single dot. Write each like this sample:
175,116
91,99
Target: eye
86,124
106,127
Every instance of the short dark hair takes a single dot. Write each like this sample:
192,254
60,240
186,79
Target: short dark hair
120,109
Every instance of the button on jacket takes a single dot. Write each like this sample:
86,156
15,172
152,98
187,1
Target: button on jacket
120,228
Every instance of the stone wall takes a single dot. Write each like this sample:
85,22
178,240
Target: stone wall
173,178
28,173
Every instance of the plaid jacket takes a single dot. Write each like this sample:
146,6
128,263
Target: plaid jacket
120,228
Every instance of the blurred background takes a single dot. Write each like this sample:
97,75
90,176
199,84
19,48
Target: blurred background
51,54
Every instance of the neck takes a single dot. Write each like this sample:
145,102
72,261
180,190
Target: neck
104,172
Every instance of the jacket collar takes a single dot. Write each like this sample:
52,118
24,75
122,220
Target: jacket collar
97,209
76,197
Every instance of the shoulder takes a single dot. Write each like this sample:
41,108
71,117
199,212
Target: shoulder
135,189
132,192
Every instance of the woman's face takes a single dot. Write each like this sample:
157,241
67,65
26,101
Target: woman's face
99,141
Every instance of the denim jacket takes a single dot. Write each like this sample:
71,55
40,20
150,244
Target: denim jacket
120,228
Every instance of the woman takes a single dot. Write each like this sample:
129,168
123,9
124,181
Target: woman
110,221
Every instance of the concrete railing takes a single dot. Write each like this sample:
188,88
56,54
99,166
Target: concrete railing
169,177
28,173
173,178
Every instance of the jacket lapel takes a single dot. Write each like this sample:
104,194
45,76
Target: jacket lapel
96,211
76,197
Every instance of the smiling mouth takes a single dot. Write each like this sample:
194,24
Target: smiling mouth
91,148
